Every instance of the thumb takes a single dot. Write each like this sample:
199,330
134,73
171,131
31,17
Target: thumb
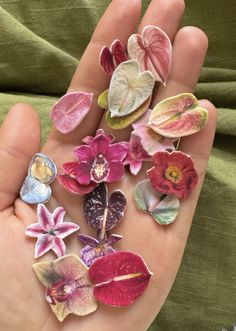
19,141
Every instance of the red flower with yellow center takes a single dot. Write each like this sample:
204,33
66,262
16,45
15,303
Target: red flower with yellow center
173,173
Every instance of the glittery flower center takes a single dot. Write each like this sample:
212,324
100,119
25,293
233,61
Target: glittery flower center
173,173
100,169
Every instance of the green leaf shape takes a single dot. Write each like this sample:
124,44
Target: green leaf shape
103,100
178,116
118,123
163,208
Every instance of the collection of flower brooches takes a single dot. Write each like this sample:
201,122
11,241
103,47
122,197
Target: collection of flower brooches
101,274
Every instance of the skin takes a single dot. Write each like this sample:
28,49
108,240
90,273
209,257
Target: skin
22,304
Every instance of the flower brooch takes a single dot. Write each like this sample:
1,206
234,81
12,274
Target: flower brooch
76,283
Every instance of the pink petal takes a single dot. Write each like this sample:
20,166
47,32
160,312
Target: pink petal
70,168
59,247
116,172
87,140
137,149
70,110
143,120
116,152
72,186
44,217
82,301
118,52
65,229
100,144
151,141
58,215
83,173
106,61
83,153
34,230
70,267
153,51
135,167
43,245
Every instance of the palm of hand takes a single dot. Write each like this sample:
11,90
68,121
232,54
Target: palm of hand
22,305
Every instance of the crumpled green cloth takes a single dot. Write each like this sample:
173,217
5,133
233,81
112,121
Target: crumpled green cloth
41,42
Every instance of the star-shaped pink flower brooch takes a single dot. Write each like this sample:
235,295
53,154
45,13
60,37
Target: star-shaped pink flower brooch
50,231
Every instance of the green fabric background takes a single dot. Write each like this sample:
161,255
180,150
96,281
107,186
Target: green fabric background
41,42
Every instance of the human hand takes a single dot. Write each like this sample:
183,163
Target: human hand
22,305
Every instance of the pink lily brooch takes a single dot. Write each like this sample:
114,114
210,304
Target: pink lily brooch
50,231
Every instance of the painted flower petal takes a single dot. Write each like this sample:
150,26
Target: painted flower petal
106,61
45,273
116,172
103,100
117,152
150,140
70,267
44,217
129,89
83,153
135,167
72,186
136,154
118,52
70,110
42,168
83,173
164,209
118,123
83,302
113,238
116,208
94,206
178,116
34,230
58,215
119,278
44,244
65,229
110,58
90,254
87,240
34,192
70,168
153,51
100,144
59,247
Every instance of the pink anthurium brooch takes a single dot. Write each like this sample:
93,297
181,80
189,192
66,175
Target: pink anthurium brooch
111,57
153,51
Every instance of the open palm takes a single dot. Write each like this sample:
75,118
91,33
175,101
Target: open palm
22,304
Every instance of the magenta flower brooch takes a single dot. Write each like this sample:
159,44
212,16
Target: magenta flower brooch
99,272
